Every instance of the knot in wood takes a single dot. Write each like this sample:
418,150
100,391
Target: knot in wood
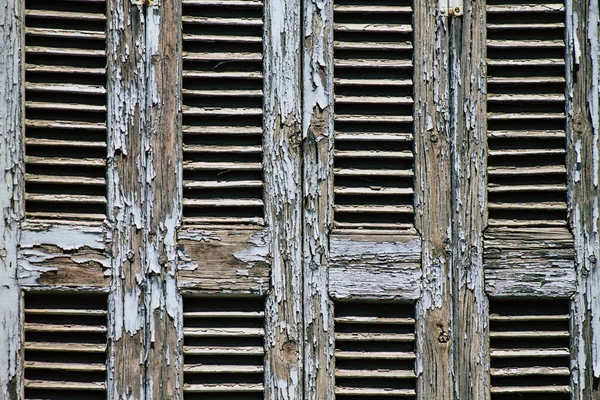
580,124
433,138
290,351
443,337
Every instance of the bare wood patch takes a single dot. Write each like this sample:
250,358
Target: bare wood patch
224,260
529,262
64,255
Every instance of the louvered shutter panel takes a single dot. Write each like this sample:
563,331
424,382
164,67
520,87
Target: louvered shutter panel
373,193
529,349
65,346
65,110
374,350
528,249
373,121
63,261
224,347
231,133
222,112
367,170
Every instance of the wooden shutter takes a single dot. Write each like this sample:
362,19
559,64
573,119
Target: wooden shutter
528,248
369,122
239,244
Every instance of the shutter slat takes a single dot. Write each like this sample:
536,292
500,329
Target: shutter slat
379,28
223,21
526,8
367,9
374,392
64,386
65,15
64,366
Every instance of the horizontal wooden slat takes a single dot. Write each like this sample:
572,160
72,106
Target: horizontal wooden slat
531,389
66,198
526,8
38,327
522,353
187,19
223,369
53,14
225,3
65,34
351,319
374,374
223,388
223,332
375,355
65,347
354,391
366,27
383,337
530,371
65,366
60,385
223,351
368,9
191,165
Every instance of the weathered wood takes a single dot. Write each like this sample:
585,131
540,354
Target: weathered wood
375,267
126,87
317,164
469,161
223,261
583,166
164,308
11,195
283,198
433,201
64,255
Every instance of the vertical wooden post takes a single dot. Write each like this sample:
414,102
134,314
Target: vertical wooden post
164,315
583,171
126,88
11,195
469,163
433,201
318,196
283,198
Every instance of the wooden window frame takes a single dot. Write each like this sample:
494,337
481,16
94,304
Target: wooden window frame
137,256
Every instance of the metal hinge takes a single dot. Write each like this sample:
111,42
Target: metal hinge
452,8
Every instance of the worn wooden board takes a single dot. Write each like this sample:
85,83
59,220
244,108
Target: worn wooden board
223,261
64,255
11,194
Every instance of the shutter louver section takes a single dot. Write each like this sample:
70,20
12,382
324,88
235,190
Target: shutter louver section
65,346
526,113
373,159
222,111
529,350
65,109
374,350
223,347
